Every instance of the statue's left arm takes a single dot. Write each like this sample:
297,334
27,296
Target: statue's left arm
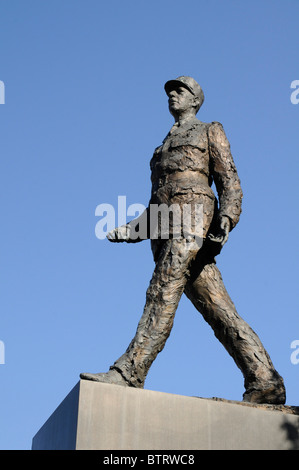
226,179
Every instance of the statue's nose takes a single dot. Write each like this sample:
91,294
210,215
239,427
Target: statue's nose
172,93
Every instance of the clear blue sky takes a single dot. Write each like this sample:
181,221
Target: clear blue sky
84,109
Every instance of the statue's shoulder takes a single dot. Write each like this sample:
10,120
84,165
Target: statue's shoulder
215,124
192,132
209,127
216,131
196,122
198,127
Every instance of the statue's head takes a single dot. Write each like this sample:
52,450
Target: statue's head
191,91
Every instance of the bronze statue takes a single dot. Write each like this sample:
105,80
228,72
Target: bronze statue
183,168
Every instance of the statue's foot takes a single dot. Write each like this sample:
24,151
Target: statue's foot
111,377
274,394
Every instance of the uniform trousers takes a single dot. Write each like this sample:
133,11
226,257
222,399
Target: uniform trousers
182,266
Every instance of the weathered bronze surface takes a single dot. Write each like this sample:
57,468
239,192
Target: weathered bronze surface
193,155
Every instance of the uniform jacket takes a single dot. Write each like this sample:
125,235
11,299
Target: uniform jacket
196,154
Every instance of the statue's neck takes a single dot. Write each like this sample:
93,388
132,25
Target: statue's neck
184,117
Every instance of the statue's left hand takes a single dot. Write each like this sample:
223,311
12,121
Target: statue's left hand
222,231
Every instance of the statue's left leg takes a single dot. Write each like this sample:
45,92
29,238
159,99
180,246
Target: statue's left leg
207,292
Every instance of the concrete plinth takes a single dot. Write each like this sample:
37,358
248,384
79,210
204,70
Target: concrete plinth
110,417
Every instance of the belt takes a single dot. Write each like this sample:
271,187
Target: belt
187,176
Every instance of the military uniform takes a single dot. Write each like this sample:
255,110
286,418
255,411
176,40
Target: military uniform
194,155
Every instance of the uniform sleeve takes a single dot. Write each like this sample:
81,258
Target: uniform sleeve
225,174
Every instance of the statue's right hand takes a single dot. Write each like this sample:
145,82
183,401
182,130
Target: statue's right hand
119,234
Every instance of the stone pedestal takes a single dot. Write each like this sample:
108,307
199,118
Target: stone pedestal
97,416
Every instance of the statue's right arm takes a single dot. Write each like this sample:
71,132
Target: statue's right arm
133,232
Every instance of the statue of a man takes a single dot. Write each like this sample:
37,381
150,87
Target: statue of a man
183,168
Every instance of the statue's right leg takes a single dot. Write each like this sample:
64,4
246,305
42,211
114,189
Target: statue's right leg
163,294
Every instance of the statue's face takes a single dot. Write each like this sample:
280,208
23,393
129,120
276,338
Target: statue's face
180,100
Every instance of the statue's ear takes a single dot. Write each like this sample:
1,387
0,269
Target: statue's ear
197,103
